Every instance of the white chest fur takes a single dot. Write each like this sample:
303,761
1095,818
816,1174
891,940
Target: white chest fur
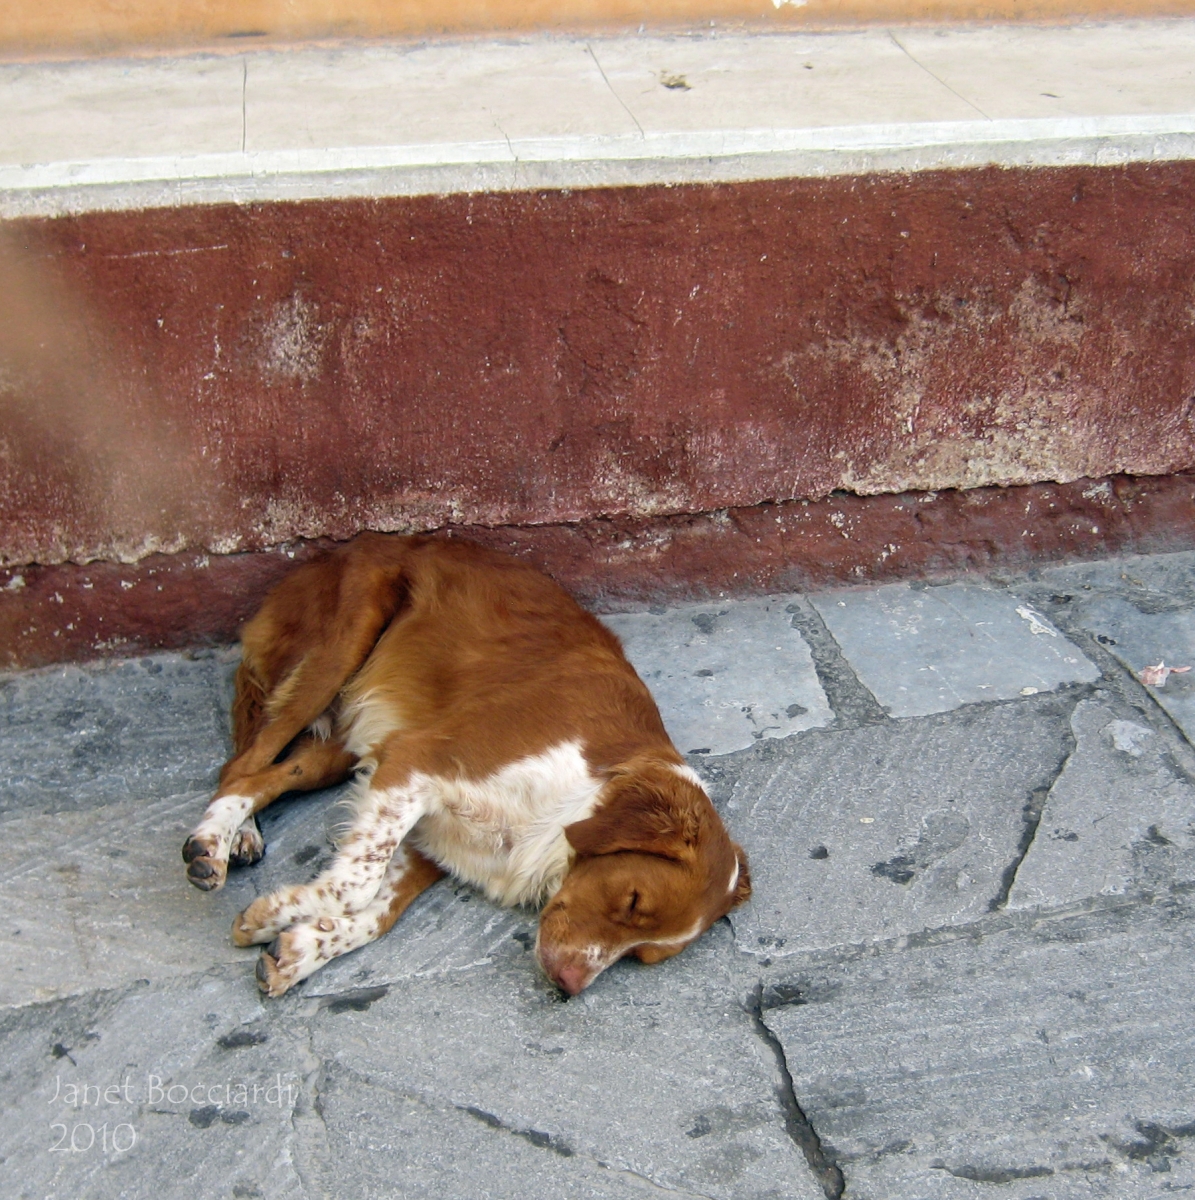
505,833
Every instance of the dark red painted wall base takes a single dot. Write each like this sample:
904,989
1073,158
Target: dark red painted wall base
70,613
230,377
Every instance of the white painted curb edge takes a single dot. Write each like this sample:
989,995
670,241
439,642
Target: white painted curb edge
594,161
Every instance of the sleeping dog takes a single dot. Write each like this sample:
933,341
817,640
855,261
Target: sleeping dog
498,733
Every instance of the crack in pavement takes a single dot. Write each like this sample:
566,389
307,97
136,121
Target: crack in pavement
992,1174
850,700
796,1123
1039,922
1115,676
306,1141
610,86
537,1137
557,1145
937,78
1031,814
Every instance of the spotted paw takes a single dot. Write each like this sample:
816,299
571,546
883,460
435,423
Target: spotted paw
256,924
248,846
204,870
285,961
248,929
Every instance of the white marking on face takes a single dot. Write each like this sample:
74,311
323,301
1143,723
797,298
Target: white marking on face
595,956
671,941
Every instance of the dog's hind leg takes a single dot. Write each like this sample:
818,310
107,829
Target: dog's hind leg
311,635
229,830
305,946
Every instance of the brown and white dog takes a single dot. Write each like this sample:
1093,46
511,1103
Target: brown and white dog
499,734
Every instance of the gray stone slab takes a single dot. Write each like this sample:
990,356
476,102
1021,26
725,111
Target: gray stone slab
726,675
98,897
941,1050
1159,581
99,1069
1117,818
1054,1058
71,737
931,649
654,1073
1144,629
384,1144
888,829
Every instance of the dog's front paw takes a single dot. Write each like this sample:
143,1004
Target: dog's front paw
206,869
256,924
289,958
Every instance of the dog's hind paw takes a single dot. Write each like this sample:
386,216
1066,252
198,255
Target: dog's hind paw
261,922
204,870
248,846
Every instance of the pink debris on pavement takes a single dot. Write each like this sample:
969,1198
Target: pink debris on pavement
1157,676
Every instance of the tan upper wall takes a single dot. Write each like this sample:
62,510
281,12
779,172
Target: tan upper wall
54,27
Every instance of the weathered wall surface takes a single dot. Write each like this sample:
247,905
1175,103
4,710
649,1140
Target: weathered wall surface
223,379
63,613
199,384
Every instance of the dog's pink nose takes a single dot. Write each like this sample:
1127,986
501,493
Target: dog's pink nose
571,979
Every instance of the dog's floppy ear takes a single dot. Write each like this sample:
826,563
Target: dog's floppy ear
636,816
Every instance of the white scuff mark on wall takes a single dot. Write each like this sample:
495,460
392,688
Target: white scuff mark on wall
292,340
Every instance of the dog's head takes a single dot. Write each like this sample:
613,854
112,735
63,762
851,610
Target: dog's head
653,869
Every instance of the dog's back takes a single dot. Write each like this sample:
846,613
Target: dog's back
501,663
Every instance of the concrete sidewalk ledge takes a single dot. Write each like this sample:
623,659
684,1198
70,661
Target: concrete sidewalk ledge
551,112
622,160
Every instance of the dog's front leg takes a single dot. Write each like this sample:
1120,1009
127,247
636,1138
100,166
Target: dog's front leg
305,946
346,890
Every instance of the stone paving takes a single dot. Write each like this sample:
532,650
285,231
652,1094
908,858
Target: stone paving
966,971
